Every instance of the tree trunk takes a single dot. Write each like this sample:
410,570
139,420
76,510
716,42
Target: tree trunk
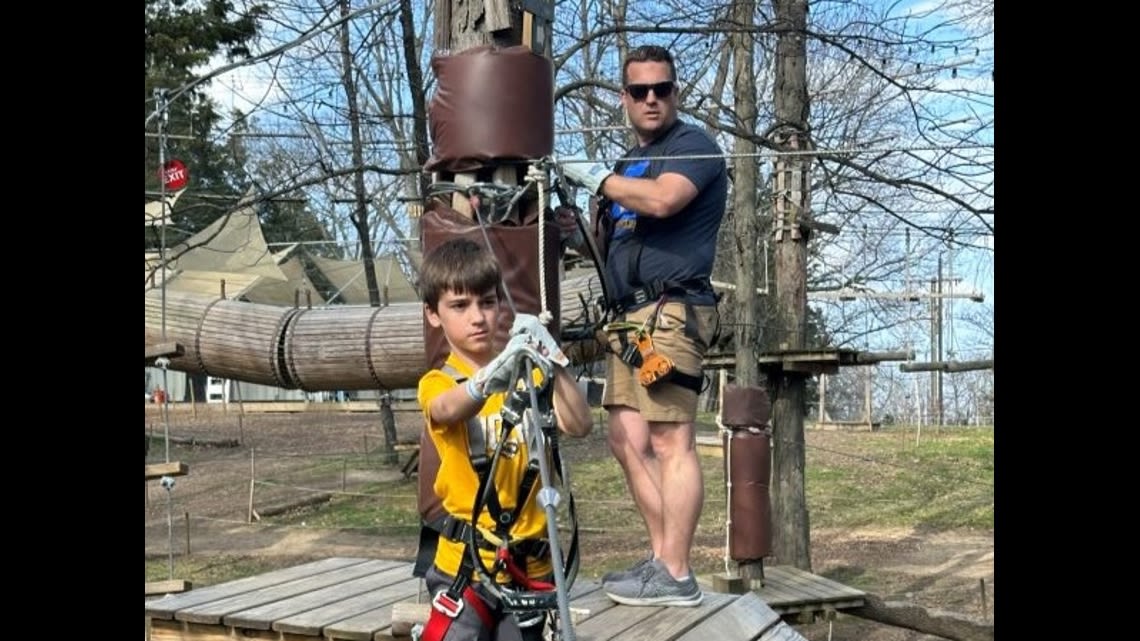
419,104
388,424
360,206
744,201
745,222
462,24
791,539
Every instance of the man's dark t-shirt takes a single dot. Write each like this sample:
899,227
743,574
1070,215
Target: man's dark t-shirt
681,247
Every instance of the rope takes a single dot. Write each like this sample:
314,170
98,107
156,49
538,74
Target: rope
538,176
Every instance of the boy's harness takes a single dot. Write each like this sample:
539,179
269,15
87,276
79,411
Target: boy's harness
511,556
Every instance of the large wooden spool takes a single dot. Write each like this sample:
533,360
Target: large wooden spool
356,347
238,340
342,347
184,314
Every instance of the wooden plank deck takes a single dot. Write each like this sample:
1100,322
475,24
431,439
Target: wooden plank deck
352,599
789,590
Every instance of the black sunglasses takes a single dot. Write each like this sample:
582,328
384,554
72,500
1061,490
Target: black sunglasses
641,92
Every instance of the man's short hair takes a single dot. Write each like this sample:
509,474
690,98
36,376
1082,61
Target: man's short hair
648,53
459,265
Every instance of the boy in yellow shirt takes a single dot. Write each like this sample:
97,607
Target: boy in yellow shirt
460,285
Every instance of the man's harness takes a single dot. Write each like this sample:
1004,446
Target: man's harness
652,366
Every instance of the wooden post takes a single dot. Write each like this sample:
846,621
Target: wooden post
867,399
241,414
822,400
792,204
249,515
193,396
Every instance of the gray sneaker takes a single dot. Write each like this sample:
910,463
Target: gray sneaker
655,587
634,570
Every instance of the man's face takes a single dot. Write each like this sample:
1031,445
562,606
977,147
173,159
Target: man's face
468,321
649,112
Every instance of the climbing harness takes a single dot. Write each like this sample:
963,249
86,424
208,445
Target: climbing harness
653,367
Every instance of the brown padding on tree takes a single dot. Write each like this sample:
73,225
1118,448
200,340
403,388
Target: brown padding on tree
748,463
492,104
515,246
746,406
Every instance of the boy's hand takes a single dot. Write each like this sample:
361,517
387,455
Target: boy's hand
528,325
501,373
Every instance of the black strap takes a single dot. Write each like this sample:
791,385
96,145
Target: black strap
459,531
656,289
688,381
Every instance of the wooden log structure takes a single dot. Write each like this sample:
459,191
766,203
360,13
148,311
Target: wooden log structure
947,366
344,347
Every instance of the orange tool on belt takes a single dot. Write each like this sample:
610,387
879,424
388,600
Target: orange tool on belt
655,366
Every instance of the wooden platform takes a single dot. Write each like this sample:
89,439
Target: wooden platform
352,598
789,590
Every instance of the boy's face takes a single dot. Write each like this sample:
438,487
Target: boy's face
468,321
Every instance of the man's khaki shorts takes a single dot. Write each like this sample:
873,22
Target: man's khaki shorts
664,401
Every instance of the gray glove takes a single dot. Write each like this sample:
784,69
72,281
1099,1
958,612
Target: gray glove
583,173
539,337
501,373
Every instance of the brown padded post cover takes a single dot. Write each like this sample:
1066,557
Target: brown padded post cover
748,459
745,406
492,104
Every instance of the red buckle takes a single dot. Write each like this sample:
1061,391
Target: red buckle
443,602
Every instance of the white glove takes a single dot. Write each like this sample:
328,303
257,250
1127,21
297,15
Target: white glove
540,338
502,372
580,172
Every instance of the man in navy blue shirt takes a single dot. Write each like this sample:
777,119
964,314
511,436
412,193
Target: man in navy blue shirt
660,208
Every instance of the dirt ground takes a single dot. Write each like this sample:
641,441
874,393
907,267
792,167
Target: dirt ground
951,571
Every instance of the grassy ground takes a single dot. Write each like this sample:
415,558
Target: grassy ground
930,481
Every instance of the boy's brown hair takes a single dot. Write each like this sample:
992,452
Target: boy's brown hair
459,265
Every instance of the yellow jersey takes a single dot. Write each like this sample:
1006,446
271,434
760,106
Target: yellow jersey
456,482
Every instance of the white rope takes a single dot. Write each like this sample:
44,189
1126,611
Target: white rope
538,176
723,431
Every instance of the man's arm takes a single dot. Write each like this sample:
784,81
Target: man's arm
659,197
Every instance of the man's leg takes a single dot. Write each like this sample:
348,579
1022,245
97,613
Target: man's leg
630,443
681,480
